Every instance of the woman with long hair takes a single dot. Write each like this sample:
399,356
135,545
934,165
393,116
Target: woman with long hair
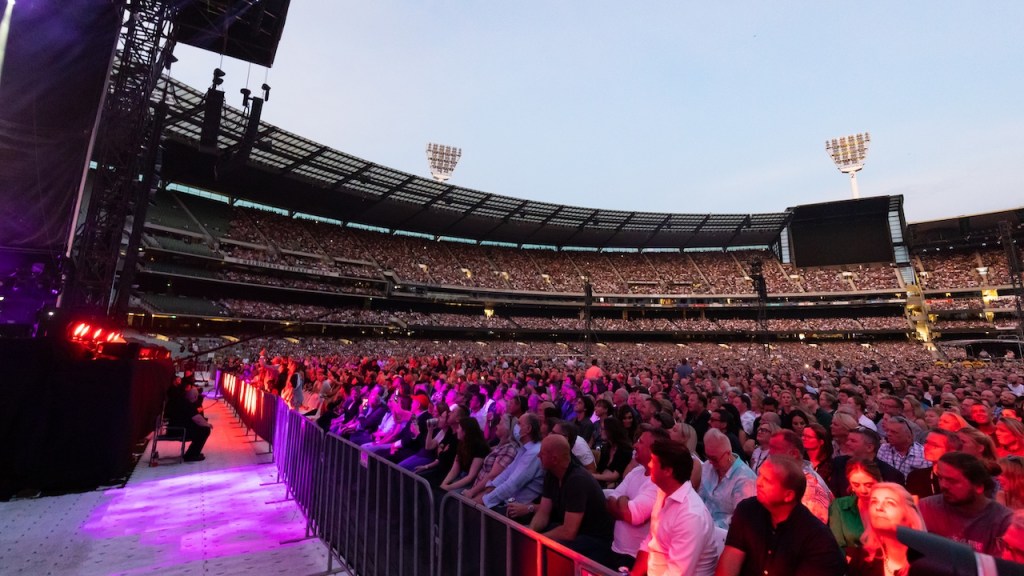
1009,437
616,454
846,515
932,416
798,420
625,415
469,457
882,554
1011,482
818,444
913,410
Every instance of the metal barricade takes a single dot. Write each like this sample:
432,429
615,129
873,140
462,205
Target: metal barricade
476,540
379,517
256,409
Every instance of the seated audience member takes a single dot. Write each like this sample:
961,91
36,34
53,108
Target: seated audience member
725,480
962,512
922,482
183,411
1011,482
1009,437
572,507
889,507
523,479
862,444
631,502
818,445
360,430
773,533
412,436
437,428
616,453
817,497
900,451
1013,539
469,456
682,538
846,515
580,449
500,456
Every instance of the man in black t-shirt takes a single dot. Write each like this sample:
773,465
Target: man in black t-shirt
572,507
773,534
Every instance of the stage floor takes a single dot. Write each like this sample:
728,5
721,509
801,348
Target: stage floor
209,517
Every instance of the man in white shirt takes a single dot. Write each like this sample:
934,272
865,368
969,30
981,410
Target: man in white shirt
632,500
682,541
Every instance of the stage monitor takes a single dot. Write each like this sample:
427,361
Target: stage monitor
842,233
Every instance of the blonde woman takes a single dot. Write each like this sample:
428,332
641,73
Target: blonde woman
881,554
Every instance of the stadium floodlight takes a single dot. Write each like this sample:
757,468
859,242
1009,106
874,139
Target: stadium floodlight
442,160
849,153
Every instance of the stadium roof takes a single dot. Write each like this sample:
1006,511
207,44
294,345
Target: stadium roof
298,174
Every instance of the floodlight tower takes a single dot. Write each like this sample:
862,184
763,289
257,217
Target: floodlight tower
442,160
849,153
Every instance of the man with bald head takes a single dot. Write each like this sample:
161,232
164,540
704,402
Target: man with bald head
572,506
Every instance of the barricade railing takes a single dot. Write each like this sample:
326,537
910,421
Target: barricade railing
379,517
476,540
256,409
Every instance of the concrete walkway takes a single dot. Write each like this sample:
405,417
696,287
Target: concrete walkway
197,518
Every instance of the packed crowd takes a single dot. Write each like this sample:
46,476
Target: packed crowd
683,459
417,259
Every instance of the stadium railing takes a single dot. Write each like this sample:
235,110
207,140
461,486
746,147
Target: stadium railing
380,519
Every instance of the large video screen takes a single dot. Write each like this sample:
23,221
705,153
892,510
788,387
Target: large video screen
841,233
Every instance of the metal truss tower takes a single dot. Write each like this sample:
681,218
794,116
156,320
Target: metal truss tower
126,152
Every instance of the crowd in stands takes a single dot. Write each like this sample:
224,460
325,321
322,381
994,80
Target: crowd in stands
955,304
423,260
949,270
674,459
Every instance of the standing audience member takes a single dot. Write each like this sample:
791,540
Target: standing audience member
962,512
682,539
774,534
1009,436
1011,482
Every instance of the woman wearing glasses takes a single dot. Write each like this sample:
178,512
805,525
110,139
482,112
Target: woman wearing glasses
818,444
882,554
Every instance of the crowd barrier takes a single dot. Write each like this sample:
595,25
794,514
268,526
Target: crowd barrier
381,519
476,540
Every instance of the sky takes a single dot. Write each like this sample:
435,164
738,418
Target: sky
661,106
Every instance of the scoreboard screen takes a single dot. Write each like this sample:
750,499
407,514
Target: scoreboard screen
841,233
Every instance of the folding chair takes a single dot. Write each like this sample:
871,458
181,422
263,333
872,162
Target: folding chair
164,433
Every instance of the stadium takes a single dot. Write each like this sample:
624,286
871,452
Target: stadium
160,237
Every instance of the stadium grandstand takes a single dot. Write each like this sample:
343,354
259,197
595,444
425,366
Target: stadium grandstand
444,381
311,240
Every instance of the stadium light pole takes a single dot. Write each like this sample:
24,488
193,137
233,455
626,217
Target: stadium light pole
849,153
442,160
